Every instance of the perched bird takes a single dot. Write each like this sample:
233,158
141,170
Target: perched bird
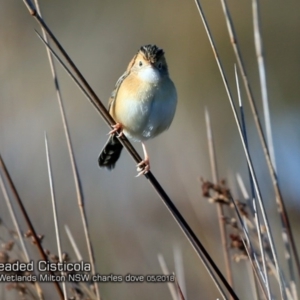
143,104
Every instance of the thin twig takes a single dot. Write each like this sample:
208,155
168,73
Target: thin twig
14,218
249,160
243,123
220,208
78,189
73,243
199,248
18,229
35,237
269,261
262,77
166,272
54,208
179,290
250,250
79,258
264,93
286,227
253,283
254,201
247,199
179,270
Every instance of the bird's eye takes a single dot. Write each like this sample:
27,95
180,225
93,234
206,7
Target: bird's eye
140,63
159,66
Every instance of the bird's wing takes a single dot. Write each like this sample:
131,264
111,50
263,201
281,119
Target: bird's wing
114,93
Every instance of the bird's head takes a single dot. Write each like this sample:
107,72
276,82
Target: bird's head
150,63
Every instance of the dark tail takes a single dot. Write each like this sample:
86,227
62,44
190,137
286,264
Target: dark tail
110,153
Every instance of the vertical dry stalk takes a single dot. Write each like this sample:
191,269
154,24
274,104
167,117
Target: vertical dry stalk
249,160
79,192
17,226
247,198
254,201
55,213
180,293
264,92
262,77
14,218
220,208
73,243
179,270
165,271
251,254
28,221
286,227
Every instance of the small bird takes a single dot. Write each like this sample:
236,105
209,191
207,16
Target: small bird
143,105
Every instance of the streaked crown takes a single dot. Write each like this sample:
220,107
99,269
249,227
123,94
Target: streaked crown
152,53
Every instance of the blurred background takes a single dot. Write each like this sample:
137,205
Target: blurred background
129,223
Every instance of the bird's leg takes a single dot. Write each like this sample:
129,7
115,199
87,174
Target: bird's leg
117,128
144,165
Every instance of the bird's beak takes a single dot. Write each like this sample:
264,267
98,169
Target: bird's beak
152,65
